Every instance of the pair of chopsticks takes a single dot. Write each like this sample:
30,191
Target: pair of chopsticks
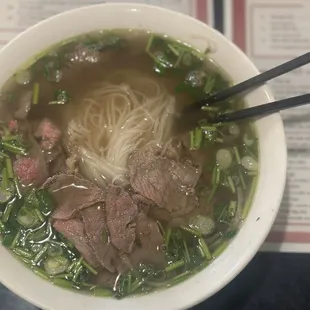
250,84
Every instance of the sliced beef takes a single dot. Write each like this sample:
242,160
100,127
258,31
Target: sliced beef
58,164
121,214
143,203
49,134
98,235
24,105
75,232
151,241
72,194
30,171
165,176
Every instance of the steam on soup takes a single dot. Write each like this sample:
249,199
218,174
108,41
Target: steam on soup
97,193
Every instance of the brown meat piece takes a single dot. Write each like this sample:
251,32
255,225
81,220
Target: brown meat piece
121,214
151,241
167,177
74,231
96,230
72,194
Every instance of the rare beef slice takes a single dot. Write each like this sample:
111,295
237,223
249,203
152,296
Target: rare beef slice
98,236
74,231
166,176
151,241
72,194
121,213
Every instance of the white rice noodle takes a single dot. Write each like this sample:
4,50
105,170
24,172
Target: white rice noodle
113,120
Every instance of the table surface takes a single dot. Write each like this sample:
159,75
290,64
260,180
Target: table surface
272,281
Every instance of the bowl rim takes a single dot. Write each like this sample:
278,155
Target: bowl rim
247,256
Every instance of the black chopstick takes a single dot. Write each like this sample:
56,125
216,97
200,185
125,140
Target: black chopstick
255,81
264,109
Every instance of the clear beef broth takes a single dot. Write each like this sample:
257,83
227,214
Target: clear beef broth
83,216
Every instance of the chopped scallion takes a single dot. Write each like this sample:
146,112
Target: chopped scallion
102,292
232,208
214,172
40,254
35,94
7,212
186,253
174,50
217,176
231,184
63,276
242,180
39,215
135,285
2,226
89,268
77,264
204,248
210,109
71,267
209,85
9,138
5,179
167,236
23,253
237,155
192,139
3,155
14,149
174,266
9,168
198,138
62,282
191,231
16,239
77,274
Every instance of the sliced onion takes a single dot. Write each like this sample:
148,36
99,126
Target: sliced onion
5,195
249,163
234,130
23,77
195,78
203,224
224,158
54,250
56,265
27,218
247,140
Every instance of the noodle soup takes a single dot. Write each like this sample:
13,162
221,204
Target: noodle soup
98,193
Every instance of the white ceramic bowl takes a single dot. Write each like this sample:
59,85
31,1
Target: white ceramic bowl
271,143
